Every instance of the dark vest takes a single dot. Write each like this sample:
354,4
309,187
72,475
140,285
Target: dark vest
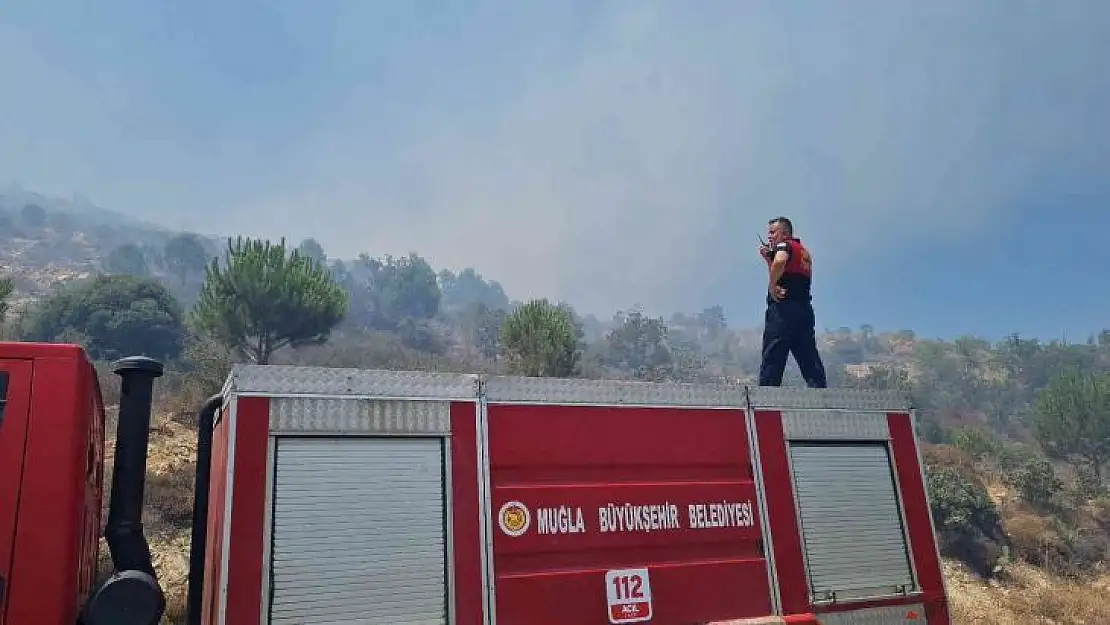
797,277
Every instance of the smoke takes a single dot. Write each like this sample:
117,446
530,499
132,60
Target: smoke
630,153
638,165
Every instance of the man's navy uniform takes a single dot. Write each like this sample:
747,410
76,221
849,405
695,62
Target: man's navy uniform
789,324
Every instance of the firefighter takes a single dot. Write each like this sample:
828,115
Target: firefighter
789,325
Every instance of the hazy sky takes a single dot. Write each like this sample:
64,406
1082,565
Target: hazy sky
947,161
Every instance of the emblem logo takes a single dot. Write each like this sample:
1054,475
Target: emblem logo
514,518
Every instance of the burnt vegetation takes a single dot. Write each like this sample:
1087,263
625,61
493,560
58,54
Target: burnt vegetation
1017,431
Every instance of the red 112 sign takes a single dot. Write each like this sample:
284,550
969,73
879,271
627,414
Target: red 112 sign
629,595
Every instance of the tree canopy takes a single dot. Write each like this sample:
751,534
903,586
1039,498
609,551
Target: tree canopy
387,291
33,215
6,289
311,248
469,287
1072,417
113,317
185,255
127,259
540,339
266,298
640,344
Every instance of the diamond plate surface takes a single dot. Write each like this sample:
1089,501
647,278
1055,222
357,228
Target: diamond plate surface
324,415
294,380
891,615
831,425
298,380
608,392
827,398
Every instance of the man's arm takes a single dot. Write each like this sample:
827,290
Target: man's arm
778,266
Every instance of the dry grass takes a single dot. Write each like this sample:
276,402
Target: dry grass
1025,595
1025,592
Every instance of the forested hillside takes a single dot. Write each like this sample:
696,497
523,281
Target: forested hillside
1019,430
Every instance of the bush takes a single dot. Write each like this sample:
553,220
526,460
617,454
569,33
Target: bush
933,432
1088,483
1037,540
969,527
978,442
420,334
1012,458
1100,513
113,317
1037,483
1055,545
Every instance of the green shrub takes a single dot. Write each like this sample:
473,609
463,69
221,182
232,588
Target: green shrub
978,442
113,317
1037,483
969,527
1012,459
1088,483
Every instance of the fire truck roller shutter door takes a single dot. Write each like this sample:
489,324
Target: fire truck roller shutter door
851,521
359,531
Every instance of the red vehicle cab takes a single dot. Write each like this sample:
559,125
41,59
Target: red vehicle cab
51,475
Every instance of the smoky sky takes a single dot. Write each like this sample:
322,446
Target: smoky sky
609,154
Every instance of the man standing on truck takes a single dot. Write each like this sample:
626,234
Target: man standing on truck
789,324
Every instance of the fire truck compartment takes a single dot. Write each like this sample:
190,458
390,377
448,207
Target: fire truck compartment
854,539
359,531
383,497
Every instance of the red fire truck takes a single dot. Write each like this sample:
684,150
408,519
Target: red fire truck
356,496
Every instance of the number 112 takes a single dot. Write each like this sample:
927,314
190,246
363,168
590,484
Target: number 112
628,586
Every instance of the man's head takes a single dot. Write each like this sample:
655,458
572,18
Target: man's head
780,229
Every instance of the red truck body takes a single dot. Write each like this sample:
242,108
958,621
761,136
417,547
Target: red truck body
342,495
51,475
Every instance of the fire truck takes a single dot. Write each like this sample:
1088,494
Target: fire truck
329,496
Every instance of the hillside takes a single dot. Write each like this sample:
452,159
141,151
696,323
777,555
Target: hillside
1025,524
46,242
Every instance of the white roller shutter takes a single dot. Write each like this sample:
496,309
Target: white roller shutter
359,532
851,521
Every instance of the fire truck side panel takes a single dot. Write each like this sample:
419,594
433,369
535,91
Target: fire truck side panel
580,488
463,500
466,512
244,536
60,497
919,517
217,508
89,549
357,485
785,534
15,395
847,544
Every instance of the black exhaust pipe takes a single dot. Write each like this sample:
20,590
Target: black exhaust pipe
131,596
206,419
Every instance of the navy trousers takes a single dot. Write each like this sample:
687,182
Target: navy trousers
789,328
